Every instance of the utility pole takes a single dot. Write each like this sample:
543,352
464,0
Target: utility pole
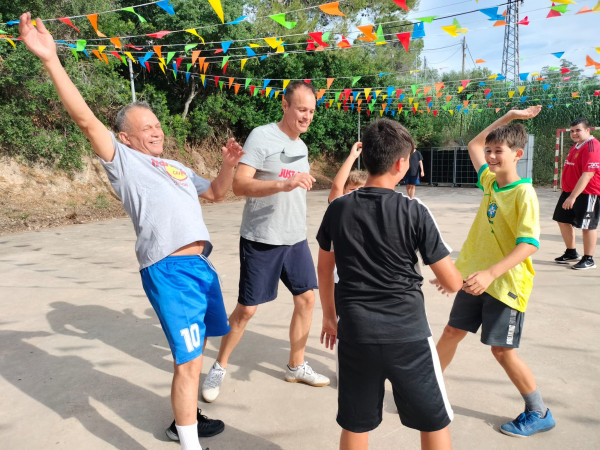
358,139
464,51
131,79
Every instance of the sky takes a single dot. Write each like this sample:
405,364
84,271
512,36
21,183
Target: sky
574,34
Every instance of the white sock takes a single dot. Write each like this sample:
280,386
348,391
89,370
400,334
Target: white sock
188,437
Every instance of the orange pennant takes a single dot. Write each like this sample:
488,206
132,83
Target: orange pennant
116,42
93,18
329,81
195,55
332,9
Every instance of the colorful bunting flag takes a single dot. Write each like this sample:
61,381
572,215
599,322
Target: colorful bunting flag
216,5
280,19
332,9
164,4
404,39
93,18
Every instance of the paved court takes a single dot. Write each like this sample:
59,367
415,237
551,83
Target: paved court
84,363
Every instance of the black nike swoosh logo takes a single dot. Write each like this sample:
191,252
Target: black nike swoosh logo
290,159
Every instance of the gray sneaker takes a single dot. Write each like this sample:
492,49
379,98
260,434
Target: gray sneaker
305,374
212,383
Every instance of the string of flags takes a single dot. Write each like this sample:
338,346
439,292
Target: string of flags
201,57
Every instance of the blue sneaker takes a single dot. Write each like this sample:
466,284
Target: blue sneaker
528,423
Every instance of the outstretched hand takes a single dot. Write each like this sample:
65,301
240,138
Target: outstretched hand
37,38
232,152
524,114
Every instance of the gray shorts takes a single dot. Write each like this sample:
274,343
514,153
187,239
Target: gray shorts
501,325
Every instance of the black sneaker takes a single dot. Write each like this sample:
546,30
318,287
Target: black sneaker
206,427
585,263
566,258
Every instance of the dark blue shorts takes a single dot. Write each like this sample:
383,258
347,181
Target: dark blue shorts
263,265
186,295
411,180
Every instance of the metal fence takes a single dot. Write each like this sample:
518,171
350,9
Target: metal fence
452,165
448,166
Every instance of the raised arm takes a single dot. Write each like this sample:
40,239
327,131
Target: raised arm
40,42
337,188
231,152
244,183
477,145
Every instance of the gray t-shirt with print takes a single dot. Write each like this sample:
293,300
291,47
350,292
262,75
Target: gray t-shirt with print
278,219
161,197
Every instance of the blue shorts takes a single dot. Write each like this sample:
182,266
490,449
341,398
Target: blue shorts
411,181
263,265
186,295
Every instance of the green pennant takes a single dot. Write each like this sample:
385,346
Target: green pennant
188,47
427,19
221,85
225,59
131,10
414,88
355,80
170,56
247,82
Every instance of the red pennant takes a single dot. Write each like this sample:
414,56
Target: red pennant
225,69
525,21
68,22
178,61
564,70
217,81
134,47
401,4
404,39
464,83
318,38
252,89
159,34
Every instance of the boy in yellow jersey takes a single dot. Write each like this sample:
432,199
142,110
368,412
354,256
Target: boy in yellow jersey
496,265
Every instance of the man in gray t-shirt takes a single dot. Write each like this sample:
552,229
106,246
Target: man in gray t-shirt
274,176
161,196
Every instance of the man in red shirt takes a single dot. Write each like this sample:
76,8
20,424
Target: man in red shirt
578,205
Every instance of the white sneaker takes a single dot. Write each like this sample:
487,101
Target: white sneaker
212,383
305,374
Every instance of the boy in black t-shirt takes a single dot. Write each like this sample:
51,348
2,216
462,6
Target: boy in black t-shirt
383,330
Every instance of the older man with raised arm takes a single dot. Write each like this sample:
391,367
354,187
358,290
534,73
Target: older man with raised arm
173,244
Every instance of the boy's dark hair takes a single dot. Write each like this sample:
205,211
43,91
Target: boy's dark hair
513,135
384,142
291,88
357,178
582,121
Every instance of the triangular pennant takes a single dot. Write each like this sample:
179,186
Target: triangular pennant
344,43
401,4
159,34
131,10
93,18
418,30
280,19
68,22
332,9
216,5
329,81
404,39
164,4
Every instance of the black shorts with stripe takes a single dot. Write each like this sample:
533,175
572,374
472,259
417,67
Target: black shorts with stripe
413,368
584,214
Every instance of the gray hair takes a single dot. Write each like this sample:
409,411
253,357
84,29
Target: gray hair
122,114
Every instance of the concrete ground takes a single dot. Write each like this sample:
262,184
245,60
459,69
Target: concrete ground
84,363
